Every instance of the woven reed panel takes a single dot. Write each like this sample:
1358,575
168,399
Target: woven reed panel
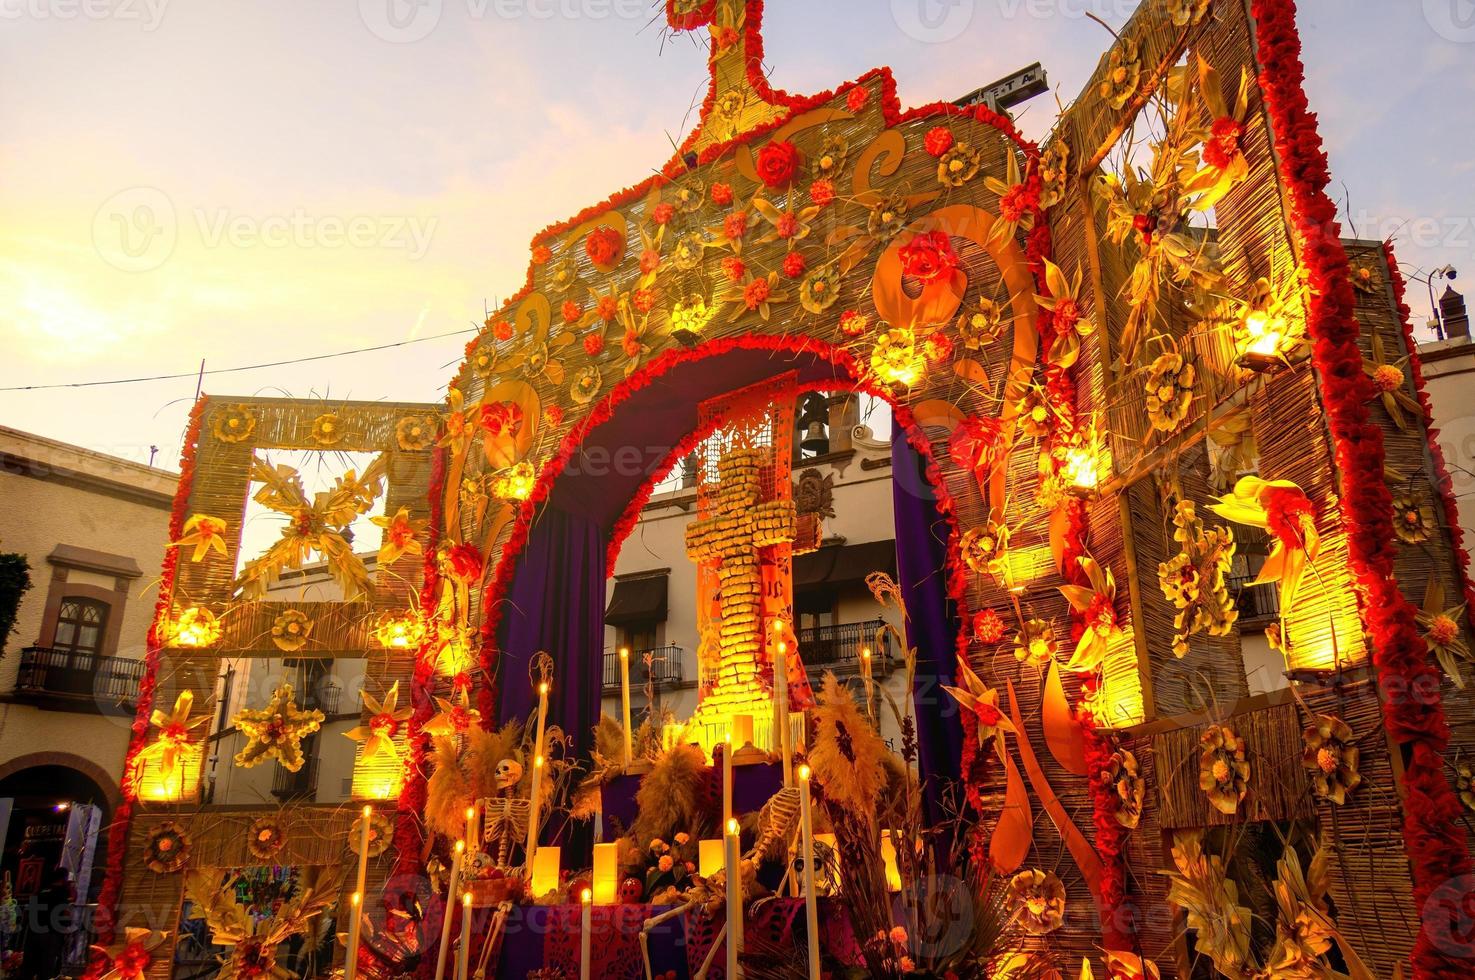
1146,852
1276,785
149,899
1290,426
1212,675
1371,885
338,628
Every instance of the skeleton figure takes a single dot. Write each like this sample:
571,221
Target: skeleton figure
506,816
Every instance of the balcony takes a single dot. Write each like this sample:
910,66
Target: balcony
838,647
68,681
666,668
299,786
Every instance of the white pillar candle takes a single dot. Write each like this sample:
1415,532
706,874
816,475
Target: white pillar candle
625,705
811,899
734,899
473,826
365,831
463,951
445,925
350,965
605,874
711,857
531,848
586,931
547,870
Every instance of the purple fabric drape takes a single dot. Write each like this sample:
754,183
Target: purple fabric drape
556,603
932,624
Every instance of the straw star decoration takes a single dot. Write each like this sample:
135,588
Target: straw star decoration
205,533
385,719
276,731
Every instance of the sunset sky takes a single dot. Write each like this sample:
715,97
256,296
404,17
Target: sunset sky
257,180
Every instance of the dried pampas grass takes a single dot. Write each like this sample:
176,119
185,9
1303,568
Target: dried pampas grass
448,793
485,749
847,755
669,796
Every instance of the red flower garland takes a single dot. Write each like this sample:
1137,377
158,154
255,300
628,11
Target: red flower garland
1432,831
112,886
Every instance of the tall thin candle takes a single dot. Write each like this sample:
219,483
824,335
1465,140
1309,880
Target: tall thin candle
734,899
811,900
586,932
865,673
625,704
727,778
542,717
531,848
463,950
445,924
366,831
781,712
350,964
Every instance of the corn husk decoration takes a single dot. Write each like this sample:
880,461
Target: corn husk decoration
167,751
205,534
1223,159
1442,631
1070,324
455,715
130,957
276,731
1283,509
385,719
1391,384
1097,605
981,701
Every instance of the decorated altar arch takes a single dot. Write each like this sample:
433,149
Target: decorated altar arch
1119,359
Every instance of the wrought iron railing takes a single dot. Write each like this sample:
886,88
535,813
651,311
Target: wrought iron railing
840,645
302,784
106,682
1257,603
665,670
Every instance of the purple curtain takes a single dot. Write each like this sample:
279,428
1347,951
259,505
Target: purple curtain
932,626
556,603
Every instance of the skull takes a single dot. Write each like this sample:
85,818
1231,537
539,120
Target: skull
509,773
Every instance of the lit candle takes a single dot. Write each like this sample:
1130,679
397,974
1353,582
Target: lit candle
472,826
445,924
546,870
606,870
781,712
463,951
742,730
350,965
734,898
865,673
727,778
586,931
811,899
625,704
888,859
530,850
711,857
542,717
365,831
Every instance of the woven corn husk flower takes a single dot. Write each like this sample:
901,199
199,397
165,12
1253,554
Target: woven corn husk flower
1442,631
167,848
1034,644
1170,382
1223,770
984,548
1331,757
233,424
1465,785
265,837
1194,580
1185,12
1123,71
1124,775
290,630
1413,518
1038,898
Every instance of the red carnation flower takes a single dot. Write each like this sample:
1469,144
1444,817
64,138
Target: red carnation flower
1066,315
977,443
464,561
1223,146
1287,512
788,225
643,300
722,194
938,347
735,225
988,714
938,140
603,245
554,415
630,344
607,308
821,192
502,330
794,265
857,98
734,268
500,419
571,311
650,261
725,36
1017,202
663,213
594,344
777,163
929,256
755,293
988,626
1101,614
541,254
